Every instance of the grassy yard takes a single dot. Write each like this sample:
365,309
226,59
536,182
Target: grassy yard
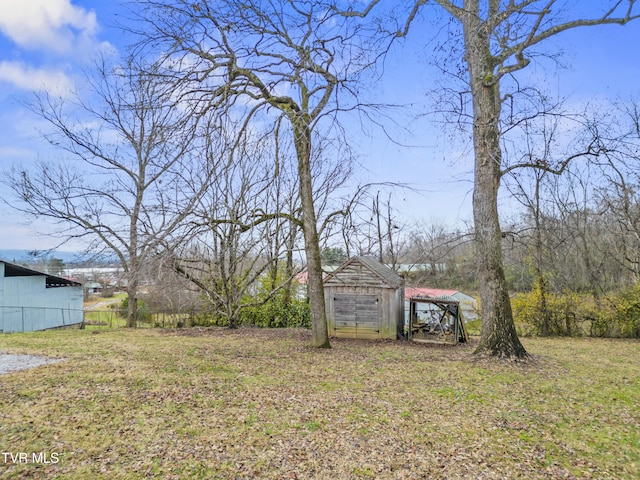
261,404
101,311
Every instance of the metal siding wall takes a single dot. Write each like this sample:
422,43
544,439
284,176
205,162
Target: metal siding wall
47,307
2,302
11,320
17,319
25,291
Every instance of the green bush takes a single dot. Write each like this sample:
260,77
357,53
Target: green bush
275,313
574,314
281,310
143,311
206,319
566,314
272,314
624,317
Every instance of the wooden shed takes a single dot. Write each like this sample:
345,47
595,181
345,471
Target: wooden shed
364,299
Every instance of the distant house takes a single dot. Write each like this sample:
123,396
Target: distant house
93,287
468,305
364,299
32,300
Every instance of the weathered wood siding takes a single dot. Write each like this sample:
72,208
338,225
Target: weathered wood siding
398,312
355,274
364,312
361,312
364,299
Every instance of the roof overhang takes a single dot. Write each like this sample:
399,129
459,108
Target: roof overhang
13,270
440,300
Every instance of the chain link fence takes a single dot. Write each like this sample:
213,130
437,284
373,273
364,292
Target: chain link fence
29,319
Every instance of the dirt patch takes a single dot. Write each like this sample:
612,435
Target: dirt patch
262,403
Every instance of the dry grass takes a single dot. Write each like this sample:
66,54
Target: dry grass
261,404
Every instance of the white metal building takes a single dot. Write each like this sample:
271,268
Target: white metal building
32,300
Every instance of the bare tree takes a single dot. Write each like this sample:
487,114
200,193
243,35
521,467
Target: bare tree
294,61
372,227
539,146
130,154
533,204
283,233
245,228
499,38
235,242
441,257
619,197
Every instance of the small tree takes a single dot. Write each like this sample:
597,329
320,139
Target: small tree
333,256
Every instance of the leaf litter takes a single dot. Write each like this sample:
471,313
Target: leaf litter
262,404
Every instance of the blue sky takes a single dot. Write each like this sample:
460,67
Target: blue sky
46,43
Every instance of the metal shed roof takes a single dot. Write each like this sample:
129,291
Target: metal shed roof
442,299
13,270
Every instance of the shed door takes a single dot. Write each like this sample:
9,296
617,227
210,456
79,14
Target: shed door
356,315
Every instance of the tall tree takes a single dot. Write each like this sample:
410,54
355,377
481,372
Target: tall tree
498,38
266,60
129,159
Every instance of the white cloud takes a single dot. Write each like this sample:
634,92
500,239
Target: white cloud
53,25
29,78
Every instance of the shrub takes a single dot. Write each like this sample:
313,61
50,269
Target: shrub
108,292
624,319
567,314
143,311
573,314
275,313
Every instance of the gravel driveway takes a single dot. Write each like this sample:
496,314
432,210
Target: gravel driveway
11,363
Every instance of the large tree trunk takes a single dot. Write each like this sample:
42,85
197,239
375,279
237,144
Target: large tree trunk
134,258
315,288
132,302
498,337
